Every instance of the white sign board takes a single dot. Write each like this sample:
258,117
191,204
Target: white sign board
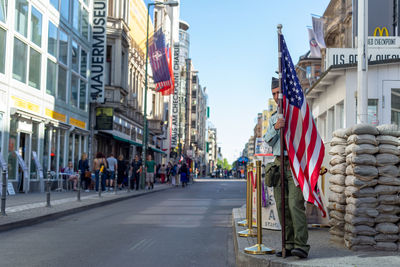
342,56
99,51
10,189
383,41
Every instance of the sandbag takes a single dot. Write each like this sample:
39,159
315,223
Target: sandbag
386,159
363,159
362,139
389,149
360,229
364,128
389,199
388,170
338,198
386,238
363,172
337,159
359,220
387,139
371,202
352,191
388,129
361,149
339,224
389,209
338,169
336,206
363,212
338,150
337,179
337,188
354,181
387,228
386,218
362,248
386,246
350,240
341,133
337,215
336,231
386,180
338,141
386,189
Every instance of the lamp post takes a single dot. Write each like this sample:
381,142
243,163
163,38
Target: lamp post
145,126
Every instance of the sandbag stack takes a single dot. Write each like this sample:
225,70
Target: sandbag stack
361,179
337,199
388,188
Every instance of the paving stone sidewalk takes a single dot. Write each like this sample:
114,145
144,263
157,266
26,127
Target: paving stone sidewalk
27,209
322,253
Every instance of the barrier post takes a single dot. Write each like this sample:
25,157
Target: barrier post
245,221
3,192
249,231
48,190
79,186
115,182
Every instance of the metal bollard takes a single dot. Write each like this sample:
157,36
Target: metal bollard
3,193
249,231
48,190
129,183
259,248
79,186
115,182
248,186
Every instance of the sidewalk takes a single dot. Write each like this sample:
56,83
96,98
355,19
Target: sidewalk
27,209
322,253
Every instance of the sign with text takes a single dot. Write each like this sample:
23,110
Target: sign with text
342,56
104,118
99,51
384,41
175,99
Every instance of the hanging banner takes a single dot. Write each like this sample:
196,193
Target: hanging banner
175,98
99,51
39,171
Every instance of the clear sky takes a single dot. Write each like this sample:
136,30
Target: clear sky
234,47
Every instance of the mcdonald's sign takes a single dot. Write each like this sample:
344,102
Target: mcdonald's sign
381,31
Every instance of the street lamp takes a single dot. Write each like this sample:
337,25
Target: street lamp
145,127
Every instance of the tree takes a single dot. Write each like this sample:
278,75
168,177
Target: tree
226,165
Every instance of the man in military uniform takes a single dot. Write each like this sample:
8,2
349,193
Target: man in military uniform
296,232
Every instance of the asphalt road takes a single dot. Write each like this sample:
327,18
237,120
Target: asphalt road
178,227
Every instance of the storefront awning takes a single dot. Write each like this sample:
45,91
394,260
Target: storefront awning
126,140
158,150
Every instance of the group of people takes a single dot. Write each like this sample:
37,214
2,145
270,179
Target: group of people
110,172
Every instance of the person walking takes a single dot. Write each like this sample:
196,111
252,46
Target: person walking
122,171
296,232
184,172
99,168
150,172
168,175
83,166
136,170
163,173
112,167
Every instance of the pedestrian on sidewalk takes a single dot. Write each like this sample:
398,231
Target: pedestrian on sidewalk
184,172
136,170
168,175
112,167
150,172
122,171
72,176
83,166
296,232
163,172
99,168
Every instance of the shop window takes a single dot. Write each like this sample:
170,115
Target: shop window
36,26
19,60
35,148
395,106
53,151
51,77
84,64
21,17
76,15
3,10
75,56
74,90
35,63
63,48
76,150
12,147
70,147
82,95
62,148
64,9
52,39
62,84
3,35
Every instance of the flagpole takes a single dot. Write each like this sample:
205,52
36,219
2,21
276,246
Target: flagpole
282,156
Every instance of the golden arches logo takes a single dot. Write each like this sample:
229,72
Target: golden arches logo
381,31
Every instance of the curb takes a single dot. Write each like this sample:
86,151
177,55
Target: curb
58,214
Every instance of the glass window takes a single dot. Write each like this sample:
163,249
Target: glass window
373,111
395,106
82,95
52,43
36,27
62,147
34,68
54,3
51,78
75,56
76,150
64,9
2,49
83,63
19,60
21,17
76,17
62,84
3,10
63,48
74,90
85,23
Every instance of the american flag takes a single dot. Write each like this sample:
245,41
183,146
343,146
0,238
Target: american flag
158,58
304,145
